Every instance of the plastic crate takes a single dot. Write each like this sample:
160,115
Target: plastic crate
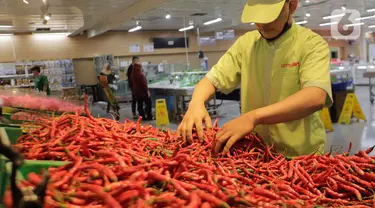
33,166
341,86
10,135
9,110
28,167
10,120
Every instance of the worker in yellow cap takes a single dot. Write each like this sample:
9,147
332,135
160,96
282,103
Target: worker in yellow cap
283,72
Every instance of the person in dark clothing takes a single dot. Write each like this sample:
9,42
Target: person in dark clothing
141,92
129,73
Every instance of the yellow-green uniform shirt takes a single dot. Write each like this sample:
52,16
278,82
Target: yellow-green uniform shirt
269,72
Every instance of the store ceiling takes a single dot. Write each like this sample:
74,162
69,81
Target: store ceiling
98,16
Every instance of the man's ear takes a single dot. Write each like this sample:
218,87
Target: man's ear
293,5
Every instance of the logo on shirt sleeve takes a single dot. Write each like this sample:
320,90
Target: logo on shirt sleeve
292,65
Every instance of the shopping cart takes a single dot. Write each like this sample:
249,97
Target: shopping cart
110,97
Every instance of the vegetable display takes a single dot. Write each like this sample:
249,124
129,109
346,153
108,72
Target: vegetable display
38,103
130,165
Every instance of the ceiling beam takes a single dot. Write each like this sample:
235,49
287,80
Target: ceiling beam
113,21
86,20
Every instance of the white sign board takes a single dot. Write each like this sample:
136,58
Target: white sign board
161,67
135,48
207,41
124,63
225,35
148,48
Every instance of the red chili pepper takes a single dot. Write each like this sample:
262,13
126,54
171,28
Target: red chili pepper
352,190
108,199
212,199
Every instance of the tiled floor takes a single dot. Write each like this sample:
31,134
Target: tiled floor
362,134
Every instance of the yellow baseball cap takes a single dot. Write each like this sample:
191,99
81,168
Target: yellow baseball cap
262,11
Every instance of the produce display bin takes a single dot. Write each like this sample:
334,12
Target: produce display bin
28,167
8,136
9,110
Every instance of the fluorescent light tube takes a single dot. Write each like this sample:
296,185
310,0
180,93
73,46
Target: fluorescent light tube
51,33
6,34
6,26
367,17
328,23
213,21
371,10
26,2
362,67
301,23
371,26
355,24
135,29
186,28
371,67
334,16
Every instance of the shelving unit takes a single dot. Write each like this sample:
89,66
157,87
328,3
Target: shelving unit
60,74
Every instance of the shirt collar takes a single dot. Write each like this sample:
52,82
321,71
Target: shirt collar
288,34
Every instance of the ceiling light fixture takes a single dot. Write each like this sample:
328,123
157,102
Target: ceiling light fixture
334,16
25,1
6,26
301,22
168,16
6,34
51,33
186,28
252,23
367,17
371,26
355,24
307,1
213,21
135,29
308,15
47,16
370,10
343,7
328,23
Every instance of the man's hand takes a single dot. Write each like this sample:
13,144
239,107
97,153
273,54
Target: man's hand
233,131
195,116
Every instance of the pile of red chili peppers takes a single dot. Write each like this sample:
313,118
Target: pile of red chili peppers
130,165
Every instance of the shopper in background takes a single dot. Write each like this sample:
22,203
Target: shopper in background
40,81
129,73
107,71
283,71
141,92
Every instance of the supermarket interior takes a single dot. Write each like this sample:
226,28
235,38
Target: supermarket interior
187,103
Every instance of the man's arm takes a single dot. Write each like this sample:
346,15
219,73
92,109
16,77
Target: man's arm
225,77
296,107
203,92
45,84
